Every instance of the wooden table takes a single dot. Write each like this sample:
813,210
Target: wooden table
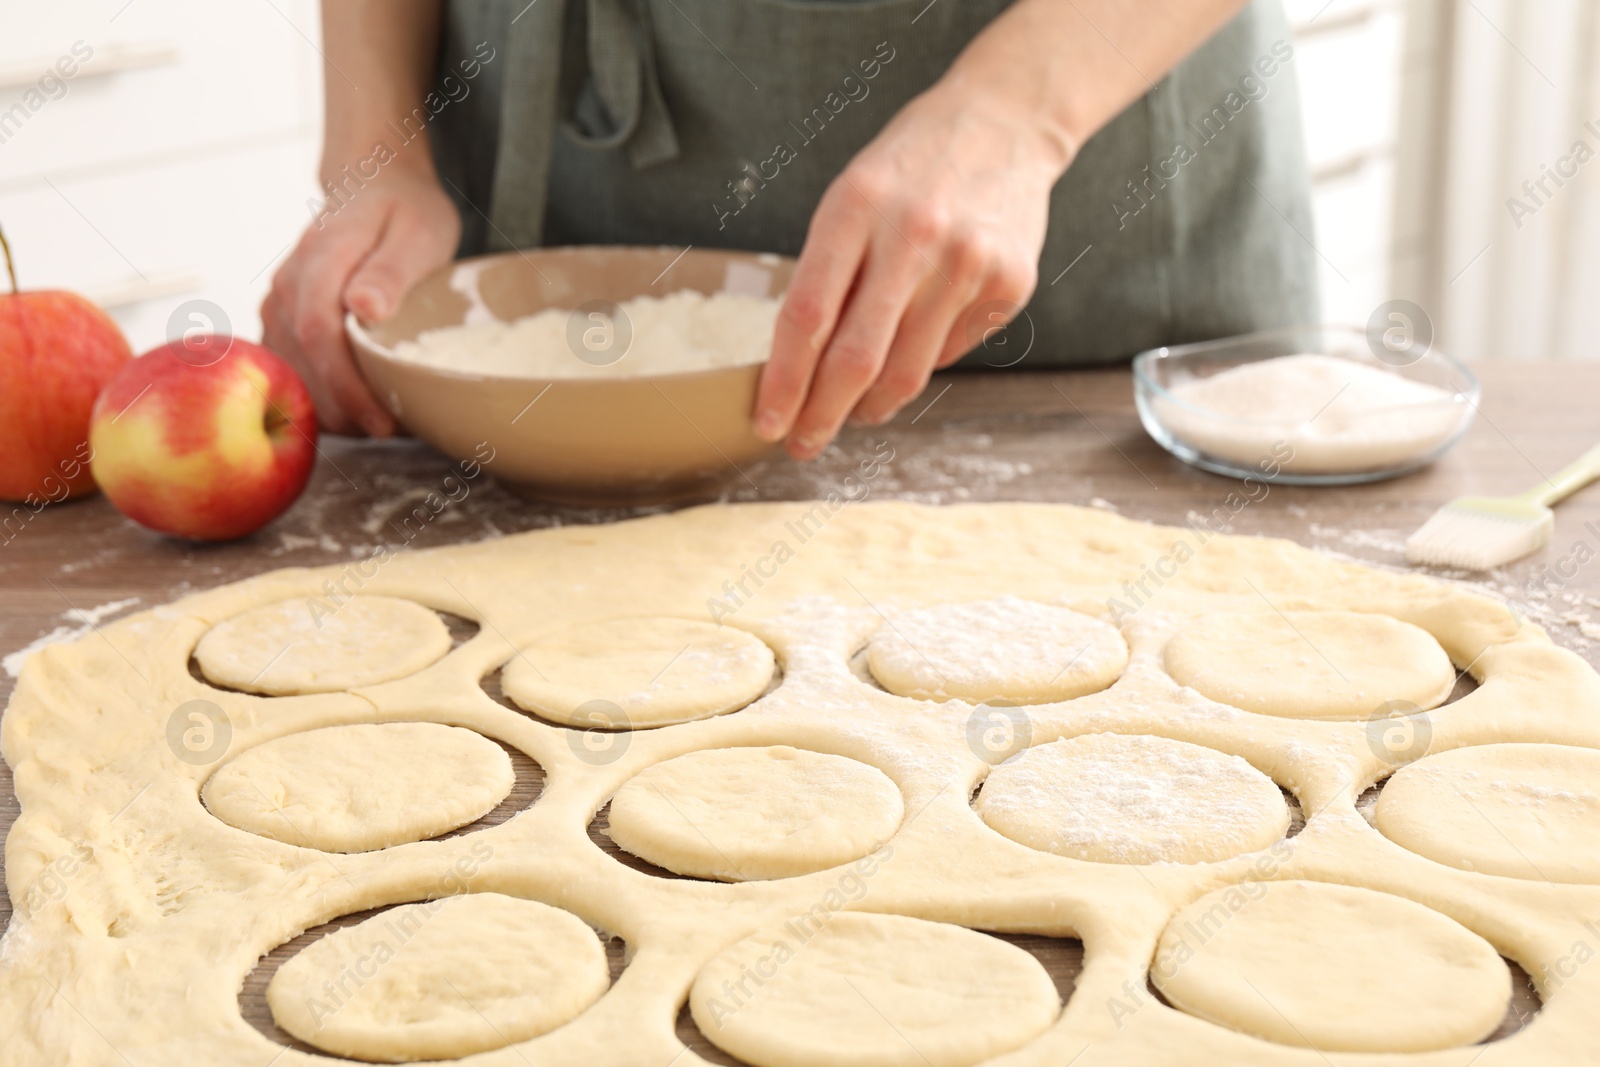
1069,437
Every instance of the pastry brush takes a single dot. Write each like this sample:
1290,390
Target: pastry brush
1480,532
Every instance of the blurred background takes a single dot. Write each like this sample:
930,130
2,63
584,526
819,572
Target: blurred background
1451,144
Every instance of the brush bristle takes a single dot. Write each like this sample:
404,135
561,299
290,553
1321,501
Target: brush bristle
1475,540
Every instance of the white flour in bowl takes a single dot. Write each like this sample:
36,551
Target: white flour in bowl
1338,415
673,334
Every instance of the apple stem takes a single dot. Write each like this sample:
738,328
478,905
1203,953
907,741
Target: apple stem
10,267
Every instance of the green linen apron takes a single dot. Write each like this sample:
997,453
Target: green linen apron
719,124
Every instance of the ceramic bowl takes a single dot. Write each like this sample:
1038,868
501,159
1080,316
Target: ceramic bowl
646,438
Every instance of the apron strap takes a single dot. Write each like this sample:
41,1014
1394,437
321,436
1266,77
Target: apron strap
531,71
587,67
610,94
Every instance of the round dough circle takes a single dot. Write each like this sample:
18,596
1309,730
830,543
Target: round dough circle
441,979
361,787
1311,664
1518,810
736,814
1110,798
658,671
861,988
1331,967
1002,651
307,646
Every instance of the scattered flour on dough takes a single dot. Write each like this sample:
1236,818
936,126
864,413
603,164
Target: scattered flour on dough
1005,648
1473,786
1133,799
85,618
1337,414
673,334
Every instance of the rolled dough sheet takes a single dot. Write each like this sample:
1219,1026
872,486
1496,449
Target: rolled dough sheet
139,913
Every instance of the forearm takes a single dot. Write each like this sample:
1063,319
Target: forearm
1071,66
380,60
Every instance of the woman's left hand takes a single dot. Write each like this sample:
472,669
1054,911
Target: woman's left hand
927,241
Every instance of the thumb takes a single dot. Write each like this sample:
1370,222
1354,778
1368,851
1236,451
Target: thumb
407,252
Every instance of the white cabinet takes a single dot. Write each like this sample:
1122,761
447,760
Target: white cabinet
176,161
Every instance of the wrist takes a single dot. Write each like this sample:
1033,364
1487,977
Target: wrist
986,103
381,155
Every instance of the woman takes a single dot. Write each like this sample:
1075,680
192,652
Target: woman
1132,173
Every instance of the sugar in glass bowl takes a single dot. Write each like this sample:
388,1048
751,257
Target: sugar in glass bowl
1333,414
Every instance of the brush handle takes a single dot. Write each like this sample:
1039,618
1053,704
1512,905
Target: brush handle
1569,480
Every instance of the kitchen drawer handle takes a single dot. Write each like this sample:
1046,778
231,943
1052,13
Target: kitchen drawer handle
130,291
107,59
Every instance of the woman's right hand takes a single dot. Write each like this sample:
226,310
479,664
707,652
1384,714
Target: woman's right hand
361,258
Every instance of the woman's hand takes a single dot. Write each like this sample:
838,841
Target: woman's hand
944,212
936,224
361,258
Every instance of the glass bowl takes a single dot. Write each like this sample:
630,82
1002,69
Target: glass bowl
1337,445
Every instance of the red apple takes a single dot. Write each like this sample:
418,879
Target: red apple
56,352
209,438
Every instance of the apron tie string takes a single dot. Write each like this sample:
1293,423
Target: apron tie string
610,94
584,66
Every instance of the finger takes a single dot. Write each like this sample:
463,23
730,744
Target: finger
835,245
319,330
955,347
277,310
409,248
918,344
857,351
277,334
1010,288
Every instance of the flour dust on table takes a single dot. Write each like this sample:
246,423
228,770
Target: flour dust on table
930,738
